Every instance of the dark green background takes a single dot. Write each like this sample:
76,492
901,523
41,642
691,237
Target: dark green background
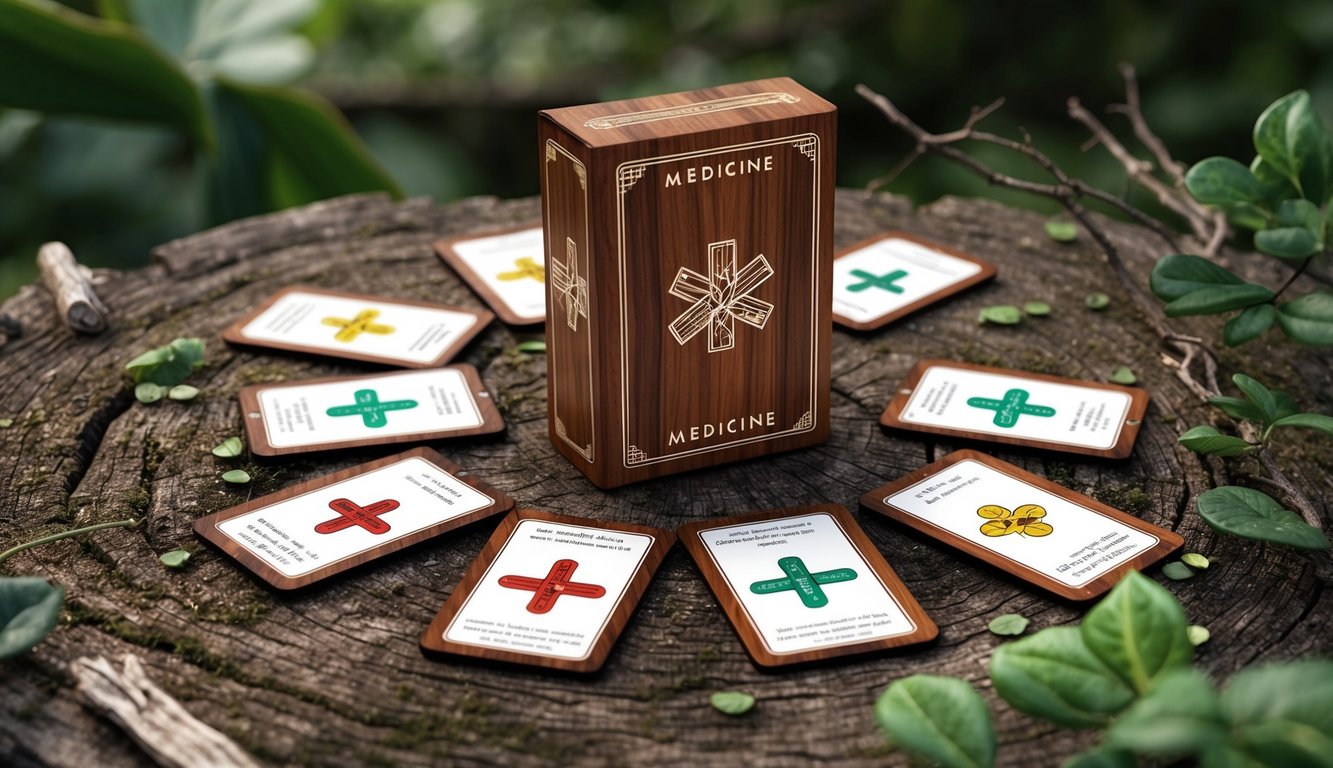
445,92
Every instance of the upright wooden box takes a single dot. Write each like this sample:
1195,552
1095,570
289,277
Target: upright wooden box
689,244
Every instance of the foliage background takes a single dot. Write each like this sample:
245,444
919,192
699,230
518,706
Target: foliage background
445,93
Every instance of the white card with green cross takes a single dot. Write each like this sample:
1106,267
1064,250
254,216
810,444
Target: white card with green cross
804,584
890,274
1015,406
368,408
361,327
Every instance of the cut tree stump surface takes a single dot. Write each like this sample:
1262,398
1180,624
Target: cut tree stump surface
333,676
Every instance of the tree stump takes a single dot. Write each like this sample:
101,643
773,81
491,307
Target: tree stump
333,676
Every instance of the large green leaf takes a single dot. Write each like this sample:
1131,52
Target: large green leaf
1276,186
1252,514
1053,675
1250,324
1293,243
1102,757
308,138
28,612
1222,298
1208,440
1285,744
1219,180
1254,391
1138,630
1308,319
1290,137
234,174
1301,691
1181,715
1238,408
941,719
1307,421
58,61
1180,274
1300,213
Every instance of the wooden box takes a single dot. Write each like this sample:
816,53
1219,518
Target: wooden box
689,244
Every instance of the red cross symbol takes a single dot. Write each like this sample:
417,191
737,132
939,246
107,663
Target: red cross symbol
352,514
555,584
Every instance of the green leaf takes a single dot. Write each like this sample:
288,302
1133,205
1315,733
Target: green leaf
1123,375
183,392
238,476
1052,675
1308,319
1037,308
1177,571
941,719
176,558
1238,408
1003,314
1307,421
1287,242
1218,180
532,347
1276,186
229,448
1251,514
310,141
1222,298
1103,757
167,366
1300,213
1285,405
235,178
1061,231
1096,301
1249,324
1208,440
148,392
29,608
1181,715
1008,625
1198,634
59,61
1247,216
1138,630
1195,560
732,702
1180,274
1283,713
1291,139
1257,393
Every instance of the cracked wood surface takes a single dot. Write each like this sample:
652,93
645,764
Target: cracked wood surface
333,676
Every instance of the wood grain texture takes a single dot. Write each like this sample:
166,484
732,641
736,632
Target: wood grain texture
1167,541
333,675
923,629
207,526
700,244
985,272
434,639
235,333
1126,434
257,440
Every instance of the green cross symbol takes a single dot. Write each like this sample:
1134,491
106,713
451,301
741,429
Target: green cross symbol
370,409
886,282
1014,404
800,580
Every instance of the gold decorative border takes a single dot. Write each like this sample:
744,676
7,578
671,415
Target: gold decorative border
699,108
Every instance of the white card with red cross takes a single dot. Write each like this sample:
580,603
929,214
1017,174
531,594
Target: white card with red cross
399,332
306,533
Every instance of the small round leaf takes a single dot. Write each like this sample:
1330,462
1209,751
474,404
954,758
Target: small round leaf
1198,634
1008,625
148,392
1037,308
238,476
229,448
176,558
1096,301
731,702
1061,231
1177,571
1004,314
1123,375
183,392
1195,560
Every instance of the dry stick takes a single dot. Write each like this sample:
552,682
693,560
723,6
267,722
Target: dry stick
76,301
1064,192
1133,110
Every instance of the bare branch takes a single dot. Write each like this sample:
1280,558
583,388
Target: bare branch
1132,108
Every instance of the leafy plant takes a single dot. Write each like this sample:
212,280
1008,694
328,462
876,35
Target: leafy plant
167,366
210,70
1283,196
1127,669
1247,512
